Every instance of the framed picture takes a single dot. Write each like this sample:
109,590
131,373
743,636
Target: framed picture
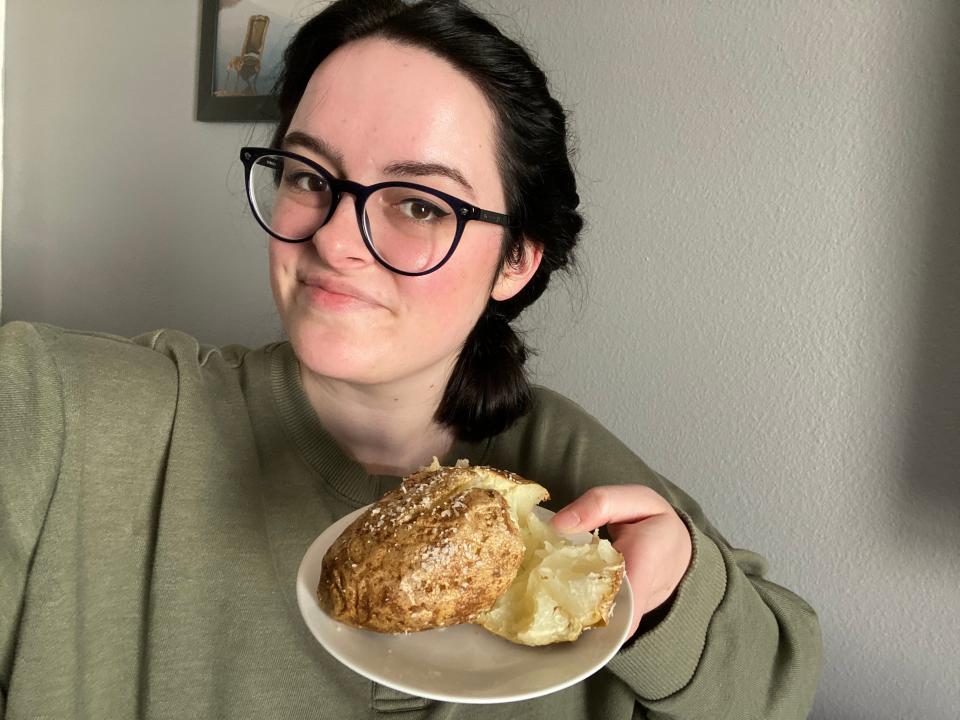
241,51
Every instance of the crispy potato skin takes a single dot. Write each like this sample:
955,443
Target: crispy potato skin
432,553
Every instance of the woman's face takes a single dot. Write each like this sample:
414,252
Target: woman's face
376,111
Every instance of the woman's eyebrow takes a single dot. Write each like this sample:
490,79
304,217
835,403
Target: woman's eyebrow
408,168
315,145
420,169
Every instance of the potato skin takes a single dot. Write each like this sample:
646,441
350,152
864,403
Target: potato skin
432,553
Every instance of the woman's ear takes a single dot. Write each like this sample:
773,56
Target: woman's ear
516,272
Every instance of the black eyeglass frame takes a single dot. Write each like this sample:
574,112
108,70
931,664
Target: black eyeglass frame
464,211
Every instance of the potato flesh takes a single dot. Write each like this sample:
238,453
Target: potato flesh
560,590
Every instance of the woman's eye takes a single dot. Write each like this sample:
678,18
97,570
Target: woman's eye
421,210
306,182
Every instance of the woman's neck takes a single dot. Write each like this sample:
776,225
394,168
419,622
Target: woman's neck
390,430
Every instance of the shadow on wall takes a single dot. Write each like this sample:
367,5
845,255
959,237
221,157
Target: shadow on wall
931,483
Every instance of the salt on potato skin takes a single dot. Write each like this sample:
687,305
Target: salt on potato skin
436,551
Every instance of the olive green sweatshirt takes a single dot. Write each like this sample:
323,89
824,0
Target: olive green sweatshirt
157,496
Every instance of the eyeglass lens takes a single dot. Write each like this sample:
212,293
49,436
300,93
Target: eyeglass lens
411,230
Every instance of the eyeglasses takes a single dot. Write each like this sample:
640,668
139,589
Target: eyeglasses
408,228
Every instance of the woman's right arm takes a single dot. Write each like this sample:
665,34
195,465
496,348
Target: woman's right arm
31,442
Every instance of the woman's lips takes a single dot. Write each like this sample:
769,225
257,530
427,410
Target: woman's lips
332,295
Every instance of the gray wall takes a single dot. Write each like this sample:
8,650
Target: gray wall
768,305
3,17
121,212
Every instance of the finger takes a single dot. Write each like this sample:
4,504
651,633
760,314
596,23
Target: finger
609,504
657,554
641,587
648,528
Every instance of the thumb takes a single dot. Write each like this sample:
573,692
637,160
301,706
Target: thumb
567,520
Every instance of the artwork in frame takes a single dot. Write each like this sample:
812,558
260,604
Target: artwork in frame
241,50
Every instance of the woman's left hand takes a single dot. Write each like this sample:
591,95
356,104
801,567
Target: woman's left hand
645,528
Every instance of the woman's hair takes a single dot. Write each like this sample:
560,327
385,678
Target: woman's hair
488,388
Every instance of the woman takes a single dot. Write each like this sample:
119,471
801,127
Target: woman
156,496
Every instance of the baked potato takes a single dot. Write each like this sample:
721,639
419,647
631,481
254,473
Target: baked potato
462,545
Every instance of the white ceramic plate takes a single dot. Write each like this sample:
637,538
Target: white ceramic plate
463,663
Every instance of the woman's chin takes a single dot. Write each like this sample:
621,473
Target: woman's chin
333,356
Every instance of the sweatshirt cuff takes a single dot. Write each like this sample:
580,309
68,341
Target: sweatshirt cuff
662,660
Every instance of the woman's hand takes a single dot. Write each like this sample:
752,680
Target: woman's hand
644,527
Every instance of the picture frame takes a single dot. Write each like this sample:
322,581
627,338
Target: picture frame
239,57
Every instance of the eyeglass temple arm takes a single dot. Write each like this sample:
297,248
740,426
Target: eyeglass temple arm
492,217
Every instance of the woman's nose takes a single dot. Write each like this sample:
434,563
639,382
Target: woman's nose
339,242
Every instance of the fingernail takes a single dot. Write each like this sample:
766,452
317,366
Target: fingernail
566,520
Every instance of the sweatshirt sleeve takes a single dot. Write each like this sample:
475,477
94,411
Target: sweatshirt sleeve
31,440
730,643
